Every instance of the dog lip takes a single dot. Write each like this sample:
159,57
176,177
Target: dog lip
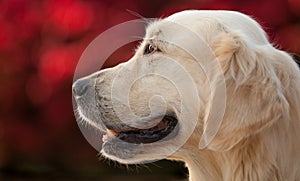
110,134
150,135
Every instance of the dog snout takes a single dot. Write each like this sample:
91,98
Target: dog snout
81,86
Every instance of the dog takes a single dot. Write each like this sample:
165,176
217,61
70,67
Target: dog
206,88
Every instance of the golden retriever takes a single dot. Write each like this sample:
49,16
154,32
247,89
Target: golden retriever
206,88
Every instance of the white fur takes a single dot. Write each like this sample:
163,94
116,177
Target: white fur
260,131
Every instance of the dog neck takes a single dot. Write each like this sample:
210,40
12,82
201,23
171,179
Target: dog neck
202,165
247,161
203,168
208,165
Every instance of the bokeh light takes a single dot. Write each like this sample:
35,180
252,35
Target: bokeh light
40,44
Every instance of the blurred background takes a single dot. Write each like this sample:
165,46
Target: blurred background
40,44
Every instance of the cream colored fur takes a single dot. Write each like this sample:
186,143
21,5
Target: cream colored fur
259,138
259,135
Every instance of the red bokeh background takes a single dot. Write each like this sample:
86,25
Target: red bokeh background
40,44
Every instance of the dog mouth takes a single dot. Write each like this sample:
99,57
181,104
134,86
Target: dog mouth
144,136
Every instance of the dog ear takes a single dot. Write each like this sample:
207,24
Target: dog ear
255,95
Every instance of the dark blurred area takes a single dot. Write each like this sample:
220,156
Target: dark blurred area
40,45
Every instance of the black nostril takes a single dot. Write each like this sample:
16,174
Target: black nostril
80,87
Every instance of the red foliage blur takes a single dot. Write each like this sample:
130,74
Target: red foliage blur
41,42
69,17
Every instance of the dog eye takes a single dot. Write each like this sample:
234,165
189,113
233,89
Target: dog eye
150,49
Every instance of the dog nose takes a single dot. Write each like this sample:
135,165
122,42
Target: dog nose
80,87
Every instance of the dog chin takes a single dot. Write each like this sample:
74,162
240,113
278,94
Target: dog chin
131,153
126,153
116,149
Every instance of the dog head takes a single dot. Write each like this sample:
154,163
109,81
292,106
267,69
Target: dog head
197,75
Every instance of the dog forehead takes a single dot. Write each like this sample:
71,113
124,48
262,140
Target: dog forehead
167,30
183,23
209,22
